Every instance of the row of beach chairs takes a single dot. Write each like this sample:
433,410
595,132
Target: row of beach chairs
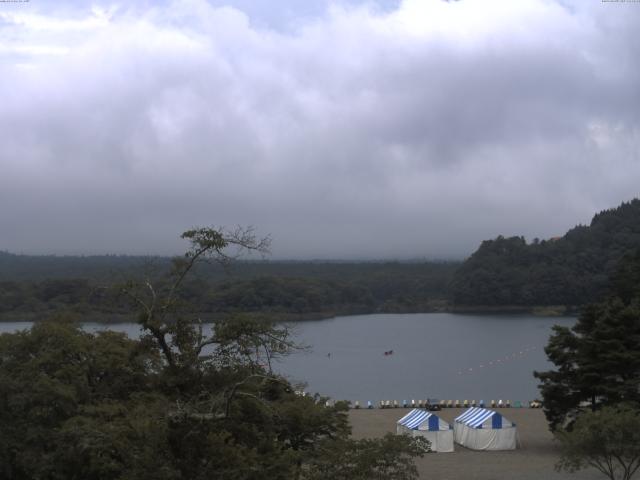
492,404
438,405
451,404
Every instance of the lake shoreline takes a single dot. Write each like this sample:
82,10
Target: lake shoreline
285,317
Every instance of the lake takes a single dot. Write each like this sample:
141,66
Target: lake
435,355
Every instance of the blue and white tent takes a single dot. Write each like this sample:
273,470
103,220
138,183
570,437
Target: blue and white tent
422,423
484,429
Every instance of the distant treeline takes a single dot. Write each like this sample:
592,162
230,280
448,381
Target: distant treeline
35,286
571,270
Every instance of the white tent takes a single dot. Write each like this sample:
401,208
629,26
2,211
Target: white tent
422,423
483,429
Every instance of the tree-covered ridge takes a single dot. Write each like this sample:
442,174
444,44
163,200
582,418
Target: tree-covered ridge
571,270
15,267
36,286
34,268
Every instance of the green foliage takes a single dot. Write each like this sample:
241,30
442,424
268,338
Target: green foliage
572,270
272,294
598,360
176,404
626,280
390,457
299,289
51,378
77,405
608,440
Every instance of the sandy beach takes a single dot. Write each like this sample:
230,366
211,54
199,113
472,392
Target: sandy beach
534,460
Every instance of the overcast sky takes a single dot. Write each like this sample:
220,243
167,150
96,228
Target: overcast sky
386,129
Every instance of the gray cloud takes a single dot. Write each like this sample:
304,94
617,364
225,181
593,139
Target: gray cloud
344,131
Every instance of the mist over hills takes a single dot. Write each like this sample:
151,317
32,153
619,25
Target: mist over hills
571,270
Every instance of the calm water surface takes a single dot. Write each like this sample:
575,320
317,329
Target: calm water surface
437,355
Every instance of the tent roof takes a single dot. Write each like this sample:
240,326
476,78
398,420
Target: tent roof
475,417
415,418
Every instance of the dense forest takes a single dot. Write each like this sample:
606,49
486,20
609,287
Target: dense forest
32,286
572,270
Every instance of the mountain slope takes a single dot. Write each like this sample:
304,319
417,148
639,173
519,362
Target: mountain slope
571,270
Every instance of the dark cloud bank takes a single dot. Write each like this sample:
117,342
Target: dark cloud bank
344,131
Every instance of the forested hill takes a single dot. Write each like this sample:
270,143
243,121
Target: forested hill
571,270
36,286
97,267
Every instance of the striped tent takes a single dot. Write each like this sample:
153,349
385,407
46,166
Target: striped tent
422,423
484,429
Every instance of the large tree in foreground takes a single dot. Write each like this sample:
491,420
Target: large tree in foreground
598,362
180,403
598,359
607,440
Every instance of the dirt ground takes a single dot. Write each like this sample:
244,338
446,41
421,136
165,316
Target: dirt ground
534,460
